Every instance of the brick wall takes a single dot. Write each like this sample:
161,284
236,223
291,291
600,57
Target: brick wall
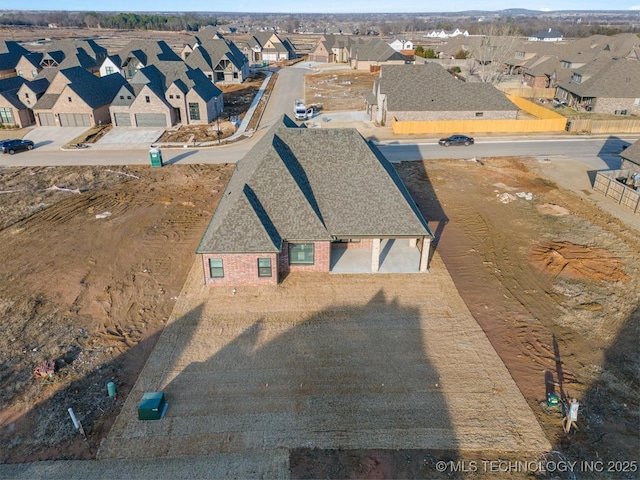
322,259
155,105
241,270
610,105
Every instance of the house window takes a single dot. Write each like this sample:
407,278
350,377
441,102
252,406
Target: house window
235,75
34,73
121,97
26,95
170,96
69,98
147,99
128,97
620,112
20,73
177,96
194,111
636,102
108,70
479,114
264,267
6,116
215,268
301,254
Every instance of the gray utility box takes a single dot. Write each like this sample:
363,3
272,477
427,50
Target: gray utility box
152,406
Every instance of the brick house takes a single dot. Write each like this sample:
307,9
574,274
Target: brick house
604,86
372,53
429,92
164,95
332,49
136,55
77,98
10,54
301,196
219,59
12,111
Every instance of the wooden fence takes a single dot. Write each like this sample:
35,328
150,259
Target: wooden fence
608,183
614,126
529,92
547,121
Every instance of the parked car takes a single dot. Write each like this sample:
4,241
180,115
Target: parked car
13,146
456,140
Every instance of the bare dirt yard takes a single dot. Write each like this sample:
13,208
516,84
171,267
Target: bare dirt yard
95,258
338,90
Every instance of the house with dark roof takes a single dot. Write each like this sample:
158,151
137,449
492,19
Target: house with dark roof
631,157
164,95
12,111
76,98
67,53
10,54
219,59
547,35
268,47
604,86
138,54
301,198
374,53
332,49
429,92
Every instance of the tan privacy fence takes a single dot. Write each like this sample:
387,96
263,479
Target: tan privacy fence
607,183
546,121
586,125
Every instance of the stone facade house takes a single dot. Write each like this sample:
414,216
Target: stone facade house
76,98
374,53
605,86
136,55
429,92
63,54
12,111
10,54
302,197
332,49
163,95
219,59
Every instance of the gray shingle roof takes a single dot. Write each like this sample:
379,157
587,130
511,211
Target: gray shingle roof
615,79
376,50
632,152
300,184
429,87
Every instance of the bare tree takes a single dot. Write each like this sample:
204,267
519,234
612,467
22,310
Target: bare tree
493,51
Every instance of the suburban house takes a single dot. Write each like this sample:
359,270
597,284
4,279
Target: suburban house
68,53
12,111
29,65
302,198
332,49
604,86
400,44
370,55
429,92
630,157
548,35
219,59
266,47
75,98
10,54
164,95
447,34
136,55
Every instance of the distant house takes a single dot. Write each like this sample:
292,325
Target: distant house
77,98
548,35
332,49
219,59
298,199
447,34
429,92
162,95
363,55
136,55
399,45
604,86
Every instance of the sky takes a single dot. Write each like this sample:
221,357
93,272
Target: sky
323,6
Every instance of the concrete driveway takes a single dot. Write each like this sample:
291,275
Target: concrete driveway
128,138
52,138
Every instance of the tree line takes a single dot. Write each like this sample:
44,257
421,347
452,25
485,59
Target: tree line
123,21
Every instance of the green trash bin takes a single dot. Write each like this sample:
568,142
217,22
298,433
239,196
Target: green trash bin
156,157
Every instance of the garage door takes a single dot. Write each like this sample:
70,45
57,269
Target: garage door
74,120
122,119
151,120
46,119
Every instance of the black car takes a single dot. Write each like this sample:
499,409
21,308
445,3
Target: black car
456,140
13,146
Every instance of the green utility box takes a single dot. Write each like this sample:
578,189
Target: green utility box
156,157
152,406
553,400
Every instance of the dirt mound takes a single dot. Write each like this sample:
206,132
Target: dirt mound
578,261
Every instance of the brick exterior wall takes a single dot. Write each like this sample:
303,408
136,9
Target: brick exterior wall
155,105
241,270
322,259
453,115
177,99
363,243
610,105
536,82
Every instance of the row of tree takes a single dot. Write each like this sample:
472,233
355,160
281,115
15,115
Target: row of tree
124,21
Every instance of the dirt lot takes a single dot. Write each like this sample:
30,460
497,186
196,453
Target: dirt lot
338,90
553,281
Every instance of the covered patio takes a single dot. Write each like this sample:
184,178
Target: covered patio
396,255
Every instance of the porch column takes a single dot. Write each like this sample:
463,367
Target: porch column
413,242
424,254
375,255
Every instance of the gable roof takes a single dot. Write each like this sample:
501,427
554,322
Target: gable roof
617,78
148,52
375,50
299,184
161,76
547,33
429,87
10,54
632,153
